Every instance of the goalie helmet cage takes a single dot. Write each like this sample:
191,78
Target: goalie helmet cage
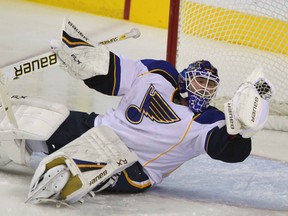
236,36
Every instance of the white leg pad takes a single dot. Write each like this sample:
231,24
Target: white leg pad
91,159
37,119
4,159
16,151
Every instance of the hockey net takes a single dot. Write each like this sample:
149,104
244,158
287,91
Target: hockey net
236,37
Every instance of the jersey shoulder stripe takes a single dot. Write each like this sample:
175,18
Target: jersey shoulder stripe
164,69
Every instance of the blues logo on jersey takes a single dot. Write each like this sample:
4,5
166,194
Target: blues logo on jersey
152,106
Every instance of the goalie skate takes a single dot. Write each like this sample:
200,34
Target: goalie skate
50,185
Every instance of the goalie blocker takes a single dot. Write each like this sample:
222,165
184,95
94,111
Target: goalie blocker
247,112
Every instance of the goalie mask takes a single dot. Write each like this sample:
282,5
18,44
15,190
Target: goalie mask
198,84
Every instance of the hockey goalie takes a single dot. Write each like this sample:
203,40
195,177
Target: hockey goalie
164,119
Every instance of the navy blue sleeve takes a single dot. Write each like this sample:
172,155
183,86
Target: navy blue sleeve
228,148
219,144
107,84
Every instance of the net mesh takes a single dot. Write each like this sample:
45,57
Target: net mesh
237,36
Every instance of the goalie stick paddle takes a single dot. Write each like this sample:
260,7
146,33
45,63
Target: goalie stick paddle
49,59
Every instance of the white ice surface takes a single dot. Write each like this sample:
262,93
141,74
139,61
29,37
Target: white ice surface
258,186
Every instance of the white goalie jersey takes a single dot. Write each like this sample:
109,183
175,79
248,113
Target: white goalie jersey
162,133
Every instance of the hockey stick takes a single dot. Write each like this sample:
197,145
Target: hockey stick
39,63
6,104
44,61
49,59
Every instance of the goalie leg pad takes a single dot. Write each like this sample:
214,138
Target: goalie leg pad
91,159
37,119
16,151
4,158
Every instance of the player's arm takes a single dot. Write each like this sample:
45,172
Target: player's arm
121,73
93,63
99,68
245,114
105,71
225,147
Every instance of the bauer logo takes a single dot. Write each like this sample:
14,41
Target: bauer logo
230,115
112,40
35,64
77,30
255,106
98,177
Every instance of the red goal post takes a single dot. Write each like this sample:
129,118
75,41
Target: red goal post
173,31
236,36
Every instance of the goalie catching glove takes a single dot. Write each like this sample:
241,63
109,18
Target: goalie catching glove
77,57
247,112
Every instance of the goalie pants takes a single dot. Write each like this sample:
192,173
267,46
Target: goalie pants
131,180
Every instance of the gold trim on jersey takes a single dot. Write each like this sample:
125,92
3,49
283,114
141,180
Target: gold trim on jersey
164,74
175,145
141,185
115,78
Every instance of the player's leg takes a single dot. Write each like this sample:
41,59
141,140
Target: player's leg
131,180
76,124
76,169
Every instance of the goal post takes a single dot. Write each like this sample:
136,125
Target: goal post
173,31
236,37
